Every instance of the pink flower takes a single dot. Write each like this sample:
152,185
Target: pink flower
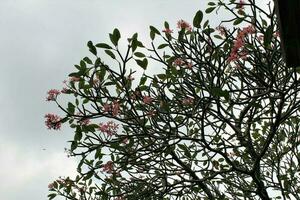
51,186
115,108
241,4
261,37
53,121
249,30
125,141
85,122
181,24
189,65
108,167
168,31
239,43
74,79
64,90
147,99
222,30
178,62
106,107
52,94
188,101
151,113
110,128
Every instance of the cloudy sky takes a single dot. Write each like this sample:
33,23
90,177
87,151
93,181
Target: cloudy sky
40,41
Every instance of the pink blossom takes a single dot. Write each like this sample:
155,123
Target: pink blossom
189,65
239,43
147,99
125,141
74,79
178,62
85,122
108,167
181,24
222,30
52,94
53,121
249,30
261,37
51,186
64,90
110,128
188,101
106,107
151,113
115,108
241,4
168,31
276,34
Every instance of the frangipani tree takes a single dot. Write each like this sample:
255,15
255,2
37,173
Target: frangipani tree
220,121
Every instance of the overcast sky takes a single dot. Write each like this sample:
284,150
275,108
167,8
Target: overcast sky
40,41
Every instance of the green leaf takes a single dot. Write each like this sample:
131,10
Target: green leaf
268,36
117,33
74,145
153,29
185,150
71,108
198,19
82,65
221,93
166,25
78,134
162,76
142,63
162,46
238,21
110,53
92,48
115,36
103,45
87,60
139,54
51,196
143,80
210,9
88,175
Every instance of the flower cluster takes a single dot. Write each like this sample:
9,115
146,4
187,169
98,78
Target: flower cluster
113,108
222,30
238,50
110,128
179,62
147,100
108,167
53,121
52,94
84,122
181,24
188,101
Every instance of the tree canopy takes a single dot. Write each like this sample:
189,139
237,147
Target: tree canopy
218,119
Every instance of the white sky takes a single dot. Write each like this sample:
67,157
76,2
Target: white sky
40,41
